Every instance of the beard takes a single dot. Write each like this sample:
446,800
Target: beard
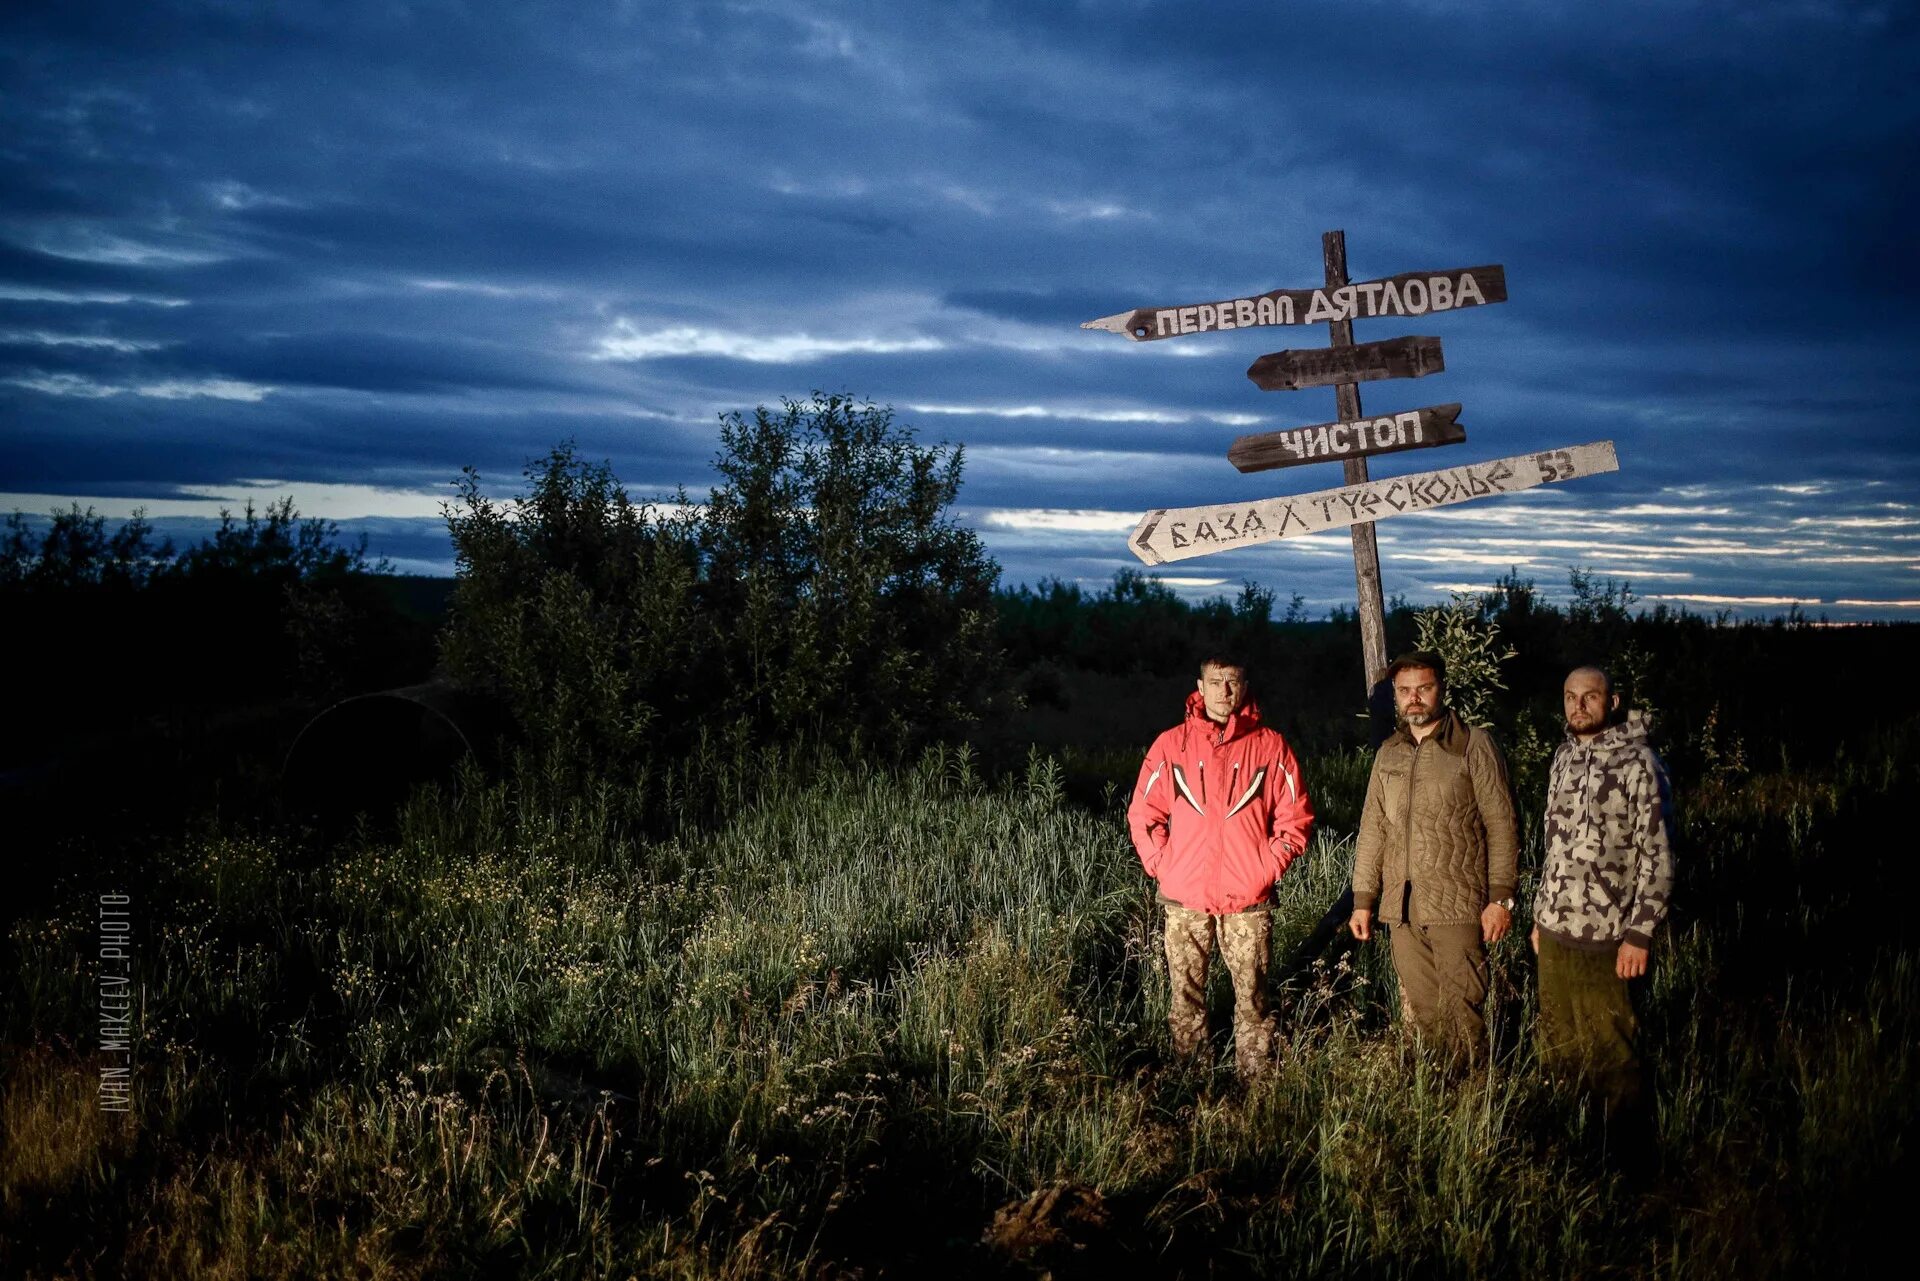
1425,716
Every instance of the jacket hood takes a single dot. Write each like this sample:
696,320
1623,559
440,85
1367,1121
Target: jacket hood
1244,721
1634,727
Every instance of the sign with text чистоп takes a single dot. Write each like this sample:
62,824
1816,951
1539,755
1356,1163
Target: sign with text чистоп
1170,534
1333,442
1415,293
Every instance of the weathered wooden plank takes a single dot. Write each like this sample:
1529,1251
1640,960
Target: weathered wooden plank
1328,442
1413,293
1290,370
1170,534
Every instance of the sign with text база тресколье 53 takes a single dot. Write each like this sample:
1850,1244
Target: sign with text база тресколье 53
1178,533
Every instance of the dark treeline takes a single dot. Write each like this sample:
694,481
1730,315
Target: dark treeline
1719,689
823,601
109,632
113,630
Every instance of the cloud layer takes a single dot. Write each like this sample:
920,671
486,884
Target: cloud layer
354,249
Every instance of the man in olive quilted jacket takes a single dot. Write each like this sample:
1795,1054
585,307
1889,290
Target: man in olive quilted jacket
1436,858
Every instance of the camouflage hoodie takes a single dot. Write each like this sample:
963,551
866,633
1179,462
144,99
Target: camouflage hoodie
1609,867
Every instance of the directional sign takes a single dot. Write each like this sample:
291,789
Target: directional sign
1325,442
1356,363
1416,293
1170,534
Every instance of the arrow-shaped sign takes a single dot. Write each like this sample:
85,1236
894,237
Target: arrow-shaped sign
1357,363
1414,293
1180,533
1326,442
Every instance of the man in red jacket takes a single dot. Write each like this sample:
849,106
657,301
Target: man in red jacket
1217,815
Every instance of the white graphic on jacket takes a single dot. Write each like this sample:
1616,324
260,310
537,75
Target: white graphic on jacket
1219,812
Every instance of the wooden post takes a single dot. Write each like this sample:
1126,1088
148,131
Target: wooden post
1366,551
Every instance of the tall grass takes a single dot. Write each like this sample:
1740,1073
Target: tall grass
880,1020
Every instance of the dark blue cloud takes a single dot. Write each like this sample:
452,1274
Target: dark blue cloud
340,245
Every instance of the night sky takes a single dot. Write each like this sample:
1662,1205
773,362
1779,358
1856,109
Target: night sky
340,252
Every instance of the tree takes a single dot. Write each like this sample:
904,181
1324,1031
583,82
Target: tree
274,600
76,552
114,626
575,608
855,603
823,594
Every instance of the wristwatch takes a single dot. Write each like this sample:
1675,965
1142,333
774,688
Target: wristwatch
1506,903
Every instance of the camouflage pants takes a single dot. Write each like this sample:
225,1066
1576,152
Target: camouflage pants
1245,942
1588,1030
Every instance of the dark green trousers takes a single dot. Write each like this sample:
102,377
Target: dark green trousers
1588,1033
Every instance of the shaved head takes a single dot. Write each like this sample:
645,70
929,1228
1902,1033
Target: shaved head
1595,673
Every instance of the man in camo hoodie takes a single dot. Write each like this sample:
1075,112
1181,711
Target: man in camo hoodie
1603,890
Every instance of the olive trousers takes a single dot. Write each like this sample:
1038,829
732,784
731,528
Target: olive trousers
1443,986
1588,1034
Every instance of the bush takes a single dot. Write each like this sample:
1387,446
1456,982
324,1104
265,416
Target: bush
1469,641
822,596
576,609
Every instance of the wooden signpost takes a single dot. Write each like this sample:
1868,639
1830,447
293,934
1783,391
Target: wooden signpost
1417,293
1170,534
1324,442
1366,549
1358,363
1178,533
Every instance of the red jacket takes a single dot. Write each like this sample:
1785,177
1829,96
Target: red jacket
1219,810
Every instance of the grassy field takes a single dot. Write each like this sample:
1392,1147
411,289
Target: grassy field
911,1023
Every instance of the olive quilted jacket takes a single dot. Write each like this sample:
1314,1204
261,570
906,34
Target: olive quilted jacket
1437,837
